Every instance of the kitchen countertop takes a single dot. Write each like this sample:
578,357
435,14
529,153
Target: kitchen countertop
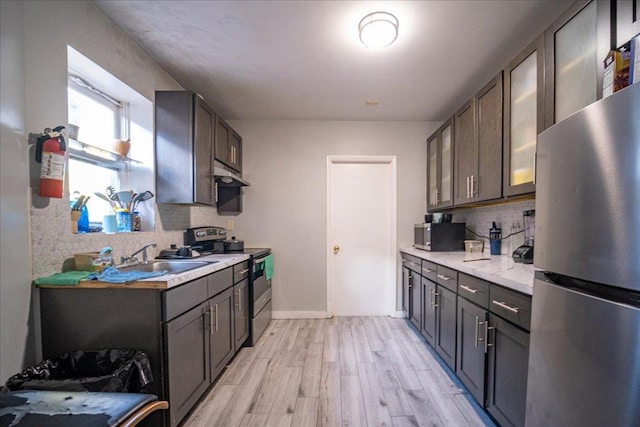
168,280
499,269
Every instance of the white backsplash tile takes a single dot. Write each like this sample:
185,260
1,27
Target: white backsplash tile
506,216
53,242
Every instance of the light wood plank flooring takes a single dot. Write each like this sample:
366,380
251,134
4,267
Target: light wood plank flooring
344,371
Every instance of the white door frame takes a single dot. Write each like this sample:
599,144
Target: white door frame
390,160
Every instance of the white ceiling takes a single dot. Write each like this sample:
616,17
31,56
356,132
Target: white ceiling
303,59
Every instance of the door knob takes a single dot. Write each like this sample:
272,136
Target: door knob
336,249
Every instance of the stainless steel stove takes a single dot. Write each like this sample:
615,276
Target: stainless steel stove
210,240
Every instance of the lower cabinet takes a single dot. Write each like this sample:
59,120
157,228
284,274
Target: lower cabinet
428,329
479,329
406,279
241,313
472,347
221,340
189,332
446,326
415,301
188,345
507,372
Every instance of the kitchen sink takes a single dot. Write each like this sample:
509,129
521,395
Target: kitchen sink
170,266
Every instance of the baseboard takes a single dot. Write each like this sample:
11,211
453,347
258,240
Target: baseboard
399,315
299,315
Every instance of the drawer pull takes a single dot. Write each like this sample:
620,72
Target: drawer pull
505,306
468,289
427,270
245,271
443,277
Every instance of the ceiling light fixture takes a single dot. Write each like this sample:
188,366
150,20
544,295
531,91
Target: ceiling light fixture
378,29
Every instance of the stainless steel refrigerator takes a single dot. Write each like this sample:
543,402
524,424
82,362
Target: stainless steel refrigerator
584,362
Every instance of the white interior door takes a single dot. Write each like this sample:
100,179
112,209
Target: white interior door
361,236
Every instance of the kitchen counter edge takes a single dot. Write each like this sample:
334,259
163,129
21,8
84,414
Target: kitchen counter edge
500,270
167,281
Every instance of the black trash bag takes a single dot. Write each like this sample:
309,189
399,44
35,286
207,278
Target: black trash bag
119,370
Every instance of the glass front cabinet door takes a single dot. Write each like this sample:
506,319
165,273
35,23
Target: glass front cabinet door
523,118
440,168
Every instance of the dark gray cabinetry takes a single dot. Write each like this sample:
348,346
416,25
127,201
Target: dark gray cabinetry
187,331
478,146
411,278
188,355
508,355
183,145
440,167
466,149
446,326
446,315
415,299
473,302
221,340
429,295
575,46
241,313
406,286
507,372
228,145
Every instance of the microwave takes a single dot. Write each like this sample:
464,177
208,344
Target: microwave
440,236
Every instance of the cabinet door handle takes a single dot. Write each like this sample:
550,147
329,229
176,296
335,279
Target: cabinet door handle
505,306
216,317
486,336
210,320
474,186
467,187
430,296
435,300
468,289
443,277
240,300
476,331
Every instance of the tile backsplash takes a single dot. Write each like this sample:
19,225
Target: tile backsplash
53,242
506,216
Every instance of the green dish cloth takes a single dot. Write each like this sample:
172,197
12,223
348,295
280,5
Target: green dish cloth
66,278
268,266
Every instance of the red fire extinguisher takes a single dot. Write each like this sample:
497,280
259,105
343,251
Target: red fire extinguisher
50,152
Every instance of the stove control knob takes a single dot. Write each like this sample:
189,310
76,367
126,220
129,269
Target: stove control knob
173,246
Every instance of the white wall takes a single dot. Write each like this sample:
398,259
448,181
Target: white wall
285,206
15,250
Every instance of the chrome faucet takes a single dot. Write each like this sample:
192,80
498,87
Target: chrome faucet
133,259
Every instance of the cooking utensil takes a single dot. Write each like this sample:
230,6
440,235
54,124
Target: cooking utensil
233,245
78,203
142,197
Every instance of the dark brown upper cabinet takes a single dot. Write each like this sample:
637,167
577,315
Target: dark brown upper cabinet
575,46
228,145
523,118
440,167
478,146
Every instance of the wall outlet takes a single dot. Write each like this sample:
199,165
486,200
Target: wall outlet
230,225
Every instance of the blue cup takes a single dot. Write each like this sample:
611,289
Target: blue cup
109,224
123,220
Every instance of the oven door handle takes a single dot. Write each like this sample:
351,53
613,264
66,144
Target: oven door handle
258,261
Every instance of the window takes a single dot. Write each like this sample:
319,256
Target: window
107,110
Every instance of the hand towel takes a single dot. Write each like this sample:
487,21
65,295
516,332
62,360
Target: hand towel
268,266
113,275
66,278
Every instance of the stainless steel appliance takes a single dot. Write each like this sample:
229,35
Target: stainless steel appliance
524,253
584,367
439,236
211,240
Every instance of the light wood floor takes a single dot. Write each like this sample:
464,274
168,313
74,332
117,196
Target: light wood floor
345,371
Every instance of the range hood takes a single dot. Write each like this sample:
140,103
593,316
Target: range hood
225,176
